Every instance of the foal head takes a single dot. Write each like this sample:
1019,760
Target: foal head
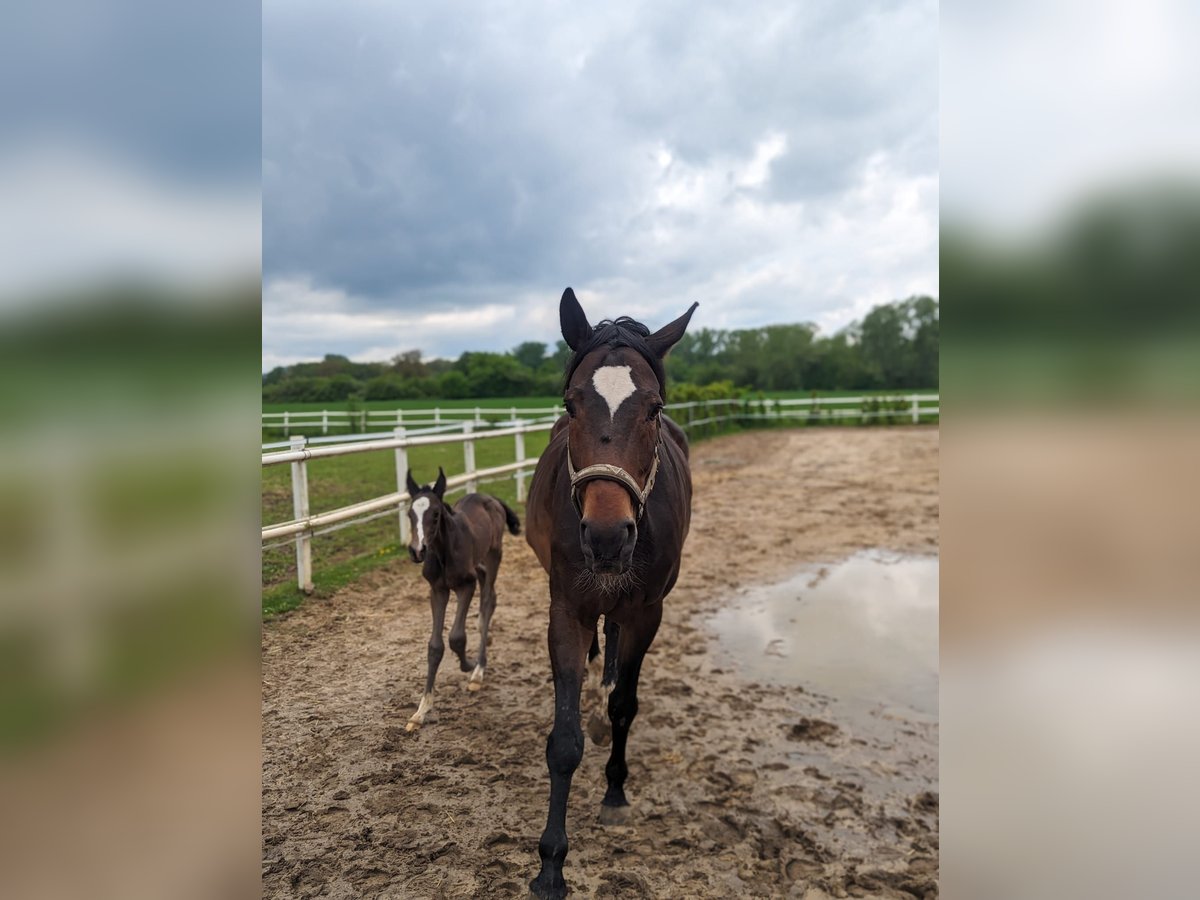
425,513
614,393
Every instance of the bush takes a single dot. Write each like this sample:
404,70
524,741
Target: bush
454,386
393,387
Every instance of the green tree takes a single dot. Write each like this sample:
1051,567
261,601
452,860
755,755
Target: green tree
453,385
530,354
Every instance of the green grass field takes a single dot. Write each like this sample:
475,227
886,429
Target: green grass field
341,556
341,480
505,403
419,403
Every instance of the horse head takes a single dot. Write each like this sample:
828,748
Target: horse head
425,513
614,392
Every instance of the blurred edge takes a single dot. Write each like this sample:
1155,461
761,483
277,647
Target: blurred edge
129,359
129,612
1070,492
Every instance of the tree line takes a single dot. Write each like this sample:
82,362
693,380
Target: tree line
895,346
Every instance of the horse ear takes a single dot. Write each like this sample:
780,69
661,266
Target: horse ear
668,336
413,487
573,320
439,486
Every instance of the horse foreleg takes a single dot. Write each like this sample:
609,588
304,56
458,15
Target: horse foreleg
458,630
569,639
635,640
438,600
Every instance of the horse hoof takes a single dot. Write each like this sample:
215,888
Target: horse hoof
474,686
412,726
614,815
599,730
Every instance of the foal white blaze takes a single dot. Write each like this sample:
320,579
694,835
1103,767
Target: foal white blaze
615,385
418,507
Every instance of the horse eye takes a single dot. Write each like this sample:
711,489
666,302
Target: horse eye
654,411
570,405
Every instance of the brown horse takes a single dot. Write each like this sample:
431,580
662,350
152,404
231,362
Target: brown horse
608,511
459,548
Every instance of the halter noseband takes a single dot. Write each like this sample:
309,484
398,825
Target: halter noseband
606,472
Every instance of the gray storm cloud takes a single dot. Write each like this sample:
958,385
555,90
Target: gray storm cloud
776,163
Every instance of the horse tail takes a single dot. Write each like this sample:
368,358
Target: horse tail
510,517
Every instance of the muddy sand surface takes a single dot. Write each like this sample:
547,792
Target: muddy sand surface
739,788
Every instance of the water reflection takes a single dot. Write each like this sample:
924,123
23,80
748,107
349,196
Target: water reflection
864,631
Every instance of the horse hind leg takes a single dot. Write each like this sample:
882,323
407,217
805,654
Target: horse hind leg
438,600
612,635
458,630
487,606
602,669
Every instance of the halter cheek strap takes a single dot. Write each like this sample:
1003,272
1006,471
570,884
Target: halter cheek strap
606,472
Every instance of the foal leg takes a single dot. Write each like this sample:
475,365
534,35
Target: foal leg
458,630
487,606
635,640
438,600
569,639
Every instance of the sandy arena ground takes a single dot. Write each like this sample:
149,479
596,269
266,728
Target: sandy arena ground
739,789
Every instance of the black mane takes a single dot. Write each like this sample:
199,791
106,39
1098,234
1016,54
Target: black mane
620,332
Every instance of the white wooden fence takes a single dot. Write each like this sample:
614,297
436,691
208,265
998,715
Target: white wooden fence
305,522
903,408
363,419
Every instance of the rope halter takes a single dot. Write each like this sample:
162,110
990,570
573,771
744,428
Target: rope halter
606,472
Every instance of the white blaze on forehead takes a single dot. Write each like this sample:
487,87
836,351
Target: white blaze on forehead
615,385
419,506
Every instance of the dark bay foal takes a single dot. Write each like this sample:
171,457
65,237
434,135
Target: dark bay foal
458,548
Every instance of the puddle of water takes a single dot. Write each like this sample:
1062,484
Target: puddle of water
863,631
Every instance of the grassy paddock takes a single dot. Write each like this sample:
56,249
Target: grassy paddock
340,556
491,408
419,403
504,403
343,555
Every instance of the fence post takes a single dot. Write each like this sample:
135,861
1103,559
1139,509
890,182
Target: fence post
402,486
514,414
324,421
478,417
469,456
520,440
300,508
286,414
915,409
399,417
437,415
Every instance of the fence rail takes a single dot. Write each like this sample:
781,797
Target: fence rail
693,415
325,419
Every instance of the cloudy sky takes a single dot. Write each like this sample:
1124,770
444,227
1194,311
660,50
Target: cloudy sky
435,174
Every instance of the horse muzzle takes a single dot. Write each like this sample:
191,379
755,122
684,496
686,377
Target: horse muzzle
608,546
415,554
